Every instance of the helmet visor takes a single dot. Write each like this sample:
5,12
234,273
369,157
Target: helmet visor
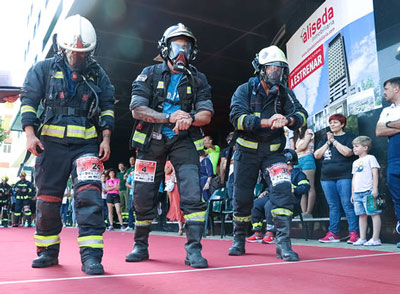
76,60
179,47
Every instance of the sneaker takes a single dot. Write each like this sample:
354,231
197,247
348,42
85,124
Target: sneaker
127,229
306,215
398,245
330,238
268,238
123,228
111,228
360,242
398,227
371,242
256,237
353,237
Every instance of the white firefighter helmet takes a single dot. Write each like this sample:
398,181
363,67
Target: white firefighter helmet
271,56
77,34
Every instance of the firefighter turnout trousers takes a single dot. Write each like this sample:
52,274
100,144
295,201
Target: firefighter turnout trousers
53,167
181,151
247,165
22,204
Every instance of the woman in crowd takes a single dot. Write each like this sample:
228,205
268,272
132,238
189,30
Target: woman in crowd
112,188
206,173
174,213
304,147
104,178
337,158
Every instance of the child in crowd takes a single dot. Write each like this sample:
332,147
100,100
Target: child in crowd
262,205
365,190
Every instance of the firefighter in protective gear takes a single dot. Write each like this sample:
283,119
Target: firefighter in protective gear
5,200
78,101
170,101
260,109
24,191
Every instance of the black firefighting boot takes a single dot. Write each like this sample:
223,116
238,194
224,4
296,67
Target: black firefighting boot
239,238
194,233
140,251
16,221
283,245
48,256
91,260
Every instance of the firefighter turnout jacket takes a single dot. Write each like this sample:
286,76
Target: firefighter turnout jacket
71,109
150,89
250,104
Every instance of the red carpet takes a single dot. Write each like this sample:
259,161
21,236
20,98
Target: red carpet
322,270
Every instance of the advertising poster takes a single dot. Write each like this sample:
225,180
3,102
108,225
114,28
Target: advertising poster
333,61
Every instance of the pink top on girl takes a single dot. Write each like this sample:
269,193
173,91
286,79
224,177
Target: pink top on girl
113,183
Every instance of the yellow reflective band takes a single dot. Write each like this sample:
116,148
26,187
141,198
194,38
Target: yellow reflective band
247,144
27,108
199,144
257,225
91,78
81,132
240,122
59,75
144,223
93,241
195,216
189,90
293,186
107,112
274,147
139,137
53,131
242,219
17,213
258,114
304,118
303,182
45,241
160,85
281,211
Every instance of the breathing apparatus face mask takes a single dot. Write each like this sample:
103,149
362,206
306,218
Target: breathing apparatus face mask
76,61
179,53
272,74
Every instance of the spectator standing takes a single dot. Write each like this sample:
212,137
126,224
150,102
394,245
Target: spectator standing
130,185
112,188
206,173
389,126
337,158
174,213
65,205
304,147
132,161
104,178
365,191
123,192
212,151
